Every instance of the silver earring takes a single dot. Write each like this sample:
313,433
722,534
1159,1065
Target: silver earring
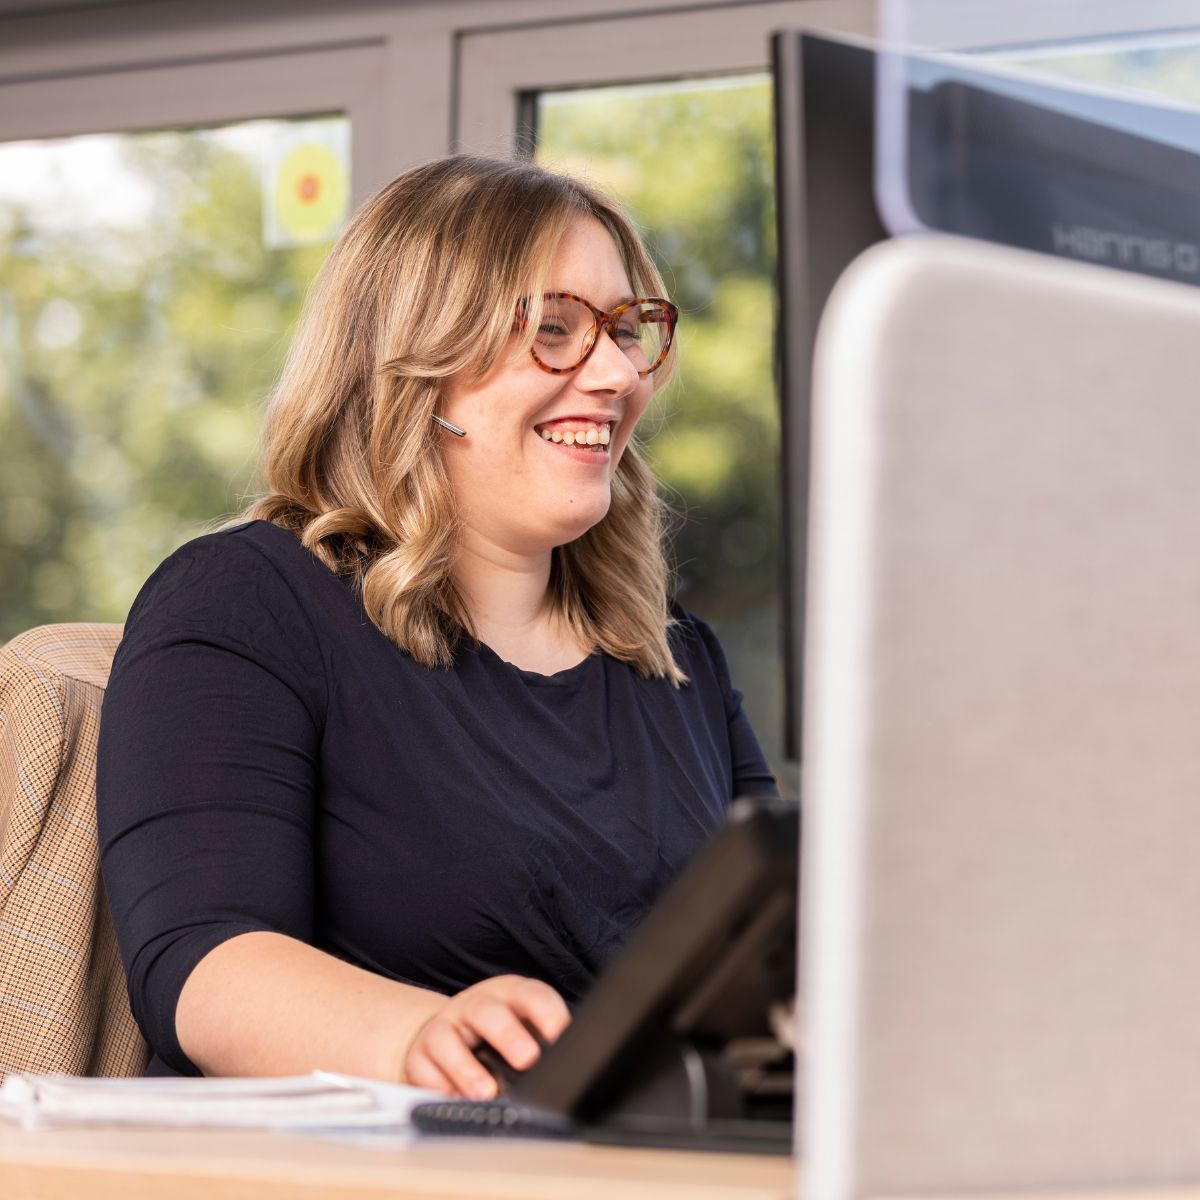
454,429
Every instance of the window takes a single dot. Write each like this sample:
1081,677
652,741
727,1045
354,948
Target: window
143,315
145,305
692,161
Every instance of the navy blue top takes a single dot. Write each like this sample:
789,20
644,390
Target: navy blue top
270,761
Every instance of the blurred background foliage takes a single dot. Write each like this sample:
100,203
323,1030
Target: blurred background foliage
137,349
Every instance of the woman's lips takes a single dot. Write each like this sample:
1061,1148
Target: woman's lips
579,431
593,455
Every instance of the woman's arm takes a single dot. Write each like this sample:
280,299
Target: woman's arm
748,765
266,1004
207,785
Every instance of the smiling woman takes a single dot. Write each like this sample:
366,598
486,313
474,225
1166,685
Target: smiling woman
419,741
389,355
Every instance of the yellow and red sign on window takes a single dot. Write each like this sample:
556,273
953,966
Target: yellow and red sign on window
306,184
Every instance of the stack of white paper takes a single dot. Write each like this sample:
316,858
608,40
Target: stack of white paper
311,1102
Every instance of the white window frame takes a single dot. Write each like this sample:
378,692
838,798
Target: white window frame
411,75
498,68
348,80
429,75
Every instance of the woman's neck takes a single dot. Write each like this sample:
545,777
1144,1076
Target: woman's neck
507,596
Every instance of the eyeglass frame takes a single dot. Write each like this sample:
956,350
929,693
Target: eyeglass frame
605,322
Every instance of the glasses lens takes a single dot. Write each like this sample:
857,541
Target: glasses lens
568,329
564,333
643,332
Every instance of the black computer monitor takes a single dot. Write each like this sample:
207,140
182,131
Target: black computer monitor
988,152
826,216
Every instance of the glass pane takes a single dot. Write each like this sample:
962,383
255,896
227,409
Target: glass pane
143,316
693,162
1163,66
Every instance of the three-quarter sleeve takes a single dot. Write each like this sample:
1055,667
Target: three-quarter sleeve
206,773
751,774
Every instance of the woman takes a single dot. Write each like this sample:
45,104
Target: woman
396,763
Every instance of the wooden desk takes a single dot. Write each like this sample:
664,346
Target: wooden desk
147,1165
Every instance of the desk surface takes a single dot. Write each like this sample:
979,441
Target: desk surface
171,1165
174,1165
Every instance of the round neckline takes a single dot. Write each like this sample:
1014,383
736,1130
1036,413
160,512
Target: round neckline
345,583
566,675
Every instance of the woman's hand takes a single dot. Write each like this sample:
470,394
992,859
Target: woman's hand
496,1011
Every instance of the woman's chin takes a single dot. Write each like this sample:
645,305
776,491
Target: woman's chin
578,518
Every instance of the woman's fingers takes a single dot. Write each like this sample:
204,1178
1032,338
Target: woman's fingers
495,1022
445,1046
508,1012
542,1006
423,1072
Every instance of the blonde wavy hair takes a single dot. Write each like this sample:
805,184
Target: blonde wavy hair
422,285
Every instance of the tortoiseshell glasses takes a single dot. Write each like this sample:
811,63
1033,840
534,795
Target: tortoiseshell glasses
570,328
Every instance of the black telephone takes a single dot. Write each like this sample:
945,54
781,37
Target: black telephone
686,1039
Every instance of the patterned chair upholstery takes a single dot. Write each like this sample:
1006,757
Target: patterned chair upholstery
63,1001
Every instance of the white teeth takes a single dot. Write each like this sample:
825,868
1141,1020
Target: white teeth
595,436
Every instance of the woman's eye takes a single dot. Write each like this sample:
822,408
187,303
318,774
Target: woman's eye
551,330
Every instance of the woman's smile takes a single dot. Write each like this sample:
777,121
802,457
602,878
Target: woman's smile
582,439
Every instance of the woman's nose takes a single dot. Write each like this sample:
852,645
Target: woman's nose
608,368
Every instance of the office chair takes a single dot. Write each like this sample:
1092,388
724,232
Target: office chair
63,1000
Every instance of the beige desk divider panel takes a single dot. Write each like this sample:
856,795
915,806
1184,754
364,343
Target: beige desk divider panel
1002,858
